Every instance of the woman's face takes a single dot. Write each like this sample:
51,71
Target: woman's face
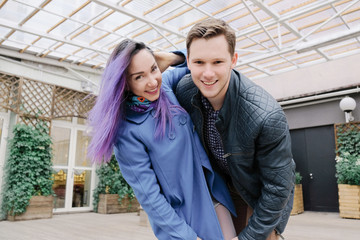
144,76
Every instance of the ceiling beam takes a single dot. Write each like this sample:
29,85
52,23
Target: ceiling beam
311,45
326,41
324,23
33,58
261,25
263,6
288,16
133,14
34,31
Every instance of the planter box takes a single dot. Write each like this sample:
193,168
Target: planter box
39,207
298,206
108,203
349,201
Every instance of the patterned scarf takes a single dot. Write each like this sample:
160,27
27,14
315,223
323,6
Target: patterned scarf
139,104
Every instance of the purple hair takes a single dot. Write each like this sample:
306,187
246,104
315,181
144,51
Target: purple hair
107,115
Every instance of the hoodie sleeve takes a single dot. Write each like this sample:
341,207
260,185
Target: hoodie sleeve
171,77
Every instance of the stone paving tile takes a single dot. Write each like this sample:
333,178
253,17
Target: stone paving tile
125,226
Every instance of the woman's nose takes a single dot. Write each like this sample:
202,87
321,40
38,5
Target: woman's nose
152,82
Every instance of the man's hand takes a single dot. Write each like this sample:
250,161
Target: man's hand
166,59
273,236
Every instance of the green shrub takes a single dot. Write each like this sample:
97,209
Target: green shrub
298,178
348,155
111,181
348,169
28,170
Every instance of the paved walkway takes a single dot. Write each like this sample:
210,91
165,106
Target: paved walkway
93,226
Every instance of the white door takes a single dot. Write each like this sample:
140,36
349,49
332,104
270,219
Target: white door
74,176
4,128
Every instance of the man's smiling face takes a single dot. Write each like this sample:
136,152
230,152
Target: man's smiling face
210,63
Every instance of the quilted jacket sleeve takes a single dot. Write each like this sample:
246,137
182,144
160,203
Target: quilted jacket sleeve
278,175
136,168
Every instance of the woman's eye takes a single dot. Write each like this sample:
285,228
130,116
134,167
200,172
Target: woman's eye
138,77
154,68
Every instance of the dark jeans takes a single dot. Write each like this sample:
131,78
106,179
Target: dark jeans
243,211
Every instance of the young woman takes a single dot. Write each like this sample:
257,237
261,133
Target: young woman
157,149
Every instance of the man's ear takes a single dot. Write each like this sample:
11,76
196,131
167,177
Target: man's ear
234,60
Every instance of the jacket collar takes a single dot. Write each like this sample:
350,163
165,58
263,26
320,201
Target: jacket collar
230,96
225,111
138,117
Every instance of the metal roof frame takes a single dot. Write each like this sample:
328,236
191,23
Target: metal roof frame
273,36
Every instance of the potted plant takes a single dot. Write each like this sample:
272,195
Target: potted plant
298,206
28,170
112,193
348,170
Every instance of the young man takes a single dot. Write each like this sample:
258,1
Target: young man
243,129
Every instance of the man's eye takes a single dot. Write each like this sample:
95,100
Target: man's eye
218,62
154,68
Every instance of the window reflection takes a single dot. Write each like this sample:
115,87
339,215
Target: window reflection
81,191
59,187
61,143
81,150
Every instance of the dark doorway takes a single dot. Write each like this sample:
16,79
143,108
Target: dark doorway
314,153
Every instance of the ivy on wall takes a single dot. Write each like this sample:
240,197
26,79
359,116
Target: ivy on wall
28,171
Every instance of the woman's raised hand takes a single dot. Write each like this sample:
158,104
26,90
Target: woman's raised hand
166,59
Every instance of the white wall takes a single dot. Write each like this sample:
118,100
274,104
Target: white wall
321,114
321,77
47,73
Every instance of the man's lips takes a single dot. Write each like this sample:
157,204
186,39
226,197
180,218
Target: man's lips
209,83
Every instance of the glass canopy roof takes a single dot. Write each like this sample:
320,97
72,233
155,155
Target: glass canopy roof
273,36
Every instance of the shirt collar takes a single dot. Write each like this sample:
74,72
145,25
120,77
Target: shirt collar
207,105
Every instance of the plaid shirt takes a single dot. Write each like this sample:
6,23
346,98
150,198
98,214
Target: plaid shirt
212,136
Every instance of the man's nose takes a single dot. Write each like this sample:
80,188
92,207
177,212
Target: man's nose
208,71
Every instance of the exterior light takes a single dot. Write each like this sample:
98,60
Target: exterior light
347,105
87,87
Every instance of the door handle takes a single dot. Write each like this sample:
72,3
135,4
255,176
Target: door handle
311,176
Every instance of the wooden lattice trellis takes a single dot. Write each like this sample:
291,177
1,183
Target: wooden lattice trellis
345,127
69,103
8,88
33,100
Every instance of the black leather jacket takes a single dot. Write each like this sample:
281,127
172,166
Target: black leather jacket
257,146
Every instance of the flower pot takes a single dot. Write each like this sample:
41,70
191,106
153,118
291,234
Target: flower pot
298,206
349,201
39,207
108,203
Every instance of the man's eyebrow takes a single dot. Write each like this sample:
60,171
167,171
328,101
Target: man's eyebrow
201,59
